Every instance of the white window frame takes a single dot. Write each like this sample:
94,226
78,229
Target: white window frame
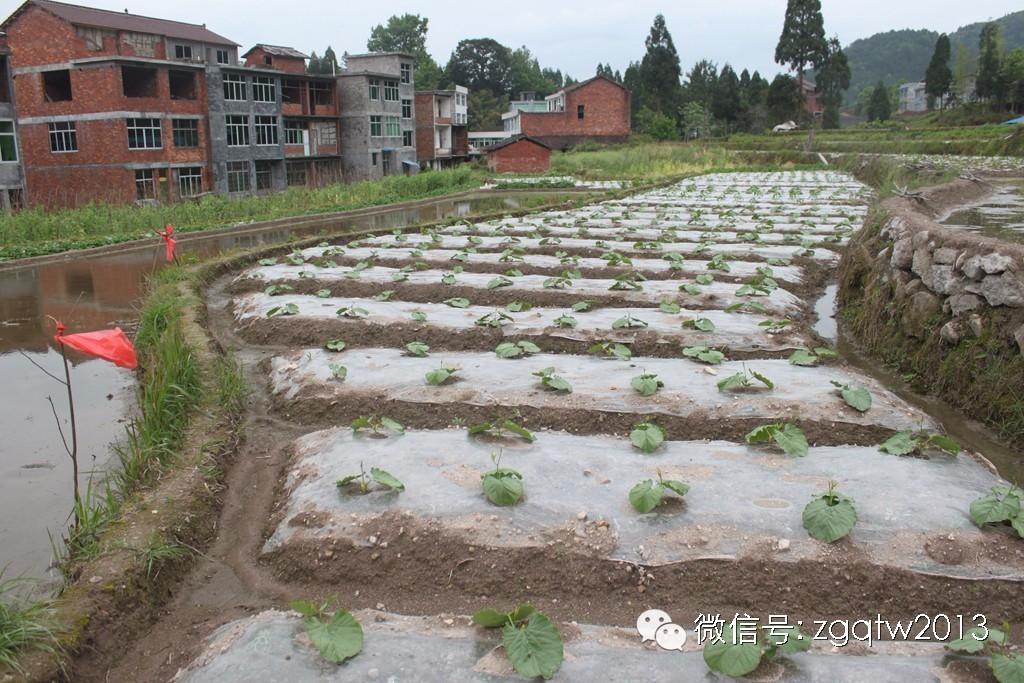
63,137
376,120
236,128
266,130
264,89
14,139
234,88
407,138
145,177
180,50
405,69
222,53
293,132
190,181
326,133
392,127
240,169
192,129
148,130
374,88
391,91
406,109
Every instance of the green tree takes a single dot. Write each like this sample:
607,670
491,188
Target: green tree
329,62
989,84
659,71
802,42
963,74
402,33
832,80
1013,77
527,76
880,106
701,82
783,99
725,100
481,64
428,76
658,126
938,79
485,109
695,120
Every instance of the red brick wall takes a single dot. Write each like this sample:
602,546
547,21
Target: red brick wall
522,156
424,105
290,64
460,140
606,116
97,171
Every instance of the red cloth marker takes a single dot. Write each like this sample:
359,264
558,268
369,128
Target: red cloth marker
112,345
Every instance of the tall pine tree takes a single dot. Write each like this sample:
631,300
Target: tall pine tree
659,71
832,79
989,85
938,79
802,43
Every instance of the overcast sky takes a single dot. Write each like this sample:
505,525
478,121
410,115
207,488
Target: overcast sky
571,35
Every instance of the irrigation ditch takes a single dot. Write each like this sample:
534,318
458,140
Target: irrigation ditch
661,340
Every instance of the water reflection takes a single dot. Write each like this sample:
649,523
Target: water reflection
1000,215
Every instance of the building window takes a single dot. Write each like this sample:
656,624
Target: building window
295,173
223,57
291,91
268,60
237,127
406,70
63,137
406,109
183,52
392,127
15,199
321,93
182,85
327,133
579,111
376,130
406,138
264,175
190,181
374,88
145,184
238,176
144,134
390,91
373,158
293,132
266,130
57,85
185,132
234,87
8,143
137,81
263,89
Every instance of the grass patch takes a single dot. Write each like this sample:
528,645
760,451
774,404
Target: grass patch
888,176
33,232
24,625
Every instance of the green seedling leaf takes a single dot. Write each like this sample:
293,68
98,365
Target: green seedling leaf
628,322
612,349
518,306
418,316
377,424
647,436
399,277
702,324
323,293
557,283
276,290
784,640
287,309
975,640
803,357
944,443
669,307
516,349
335,345
752,306
385,478
493,319
704,354
385,295
566,320
1003,504
352,312
704,279
856,396
689,288
900,443
500,281
457,302
646,384
417,348
502,486
825,353
550,380
448,279
645,496
726,655
337,639
581,306
1008,668
488,617
534,648
439,376
339,371
786,436
830,516
744,380
267,262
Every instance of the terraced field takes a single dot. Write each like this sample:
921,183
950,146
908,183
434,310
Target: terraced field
600,412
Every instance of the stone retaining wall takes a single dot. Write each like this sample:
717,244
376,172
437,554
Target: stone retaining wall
925,298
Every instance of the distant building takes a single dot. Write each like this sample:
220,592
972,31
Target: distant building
812,103
12,175
596,110
378,125
442,117
912,98
519,154
479,141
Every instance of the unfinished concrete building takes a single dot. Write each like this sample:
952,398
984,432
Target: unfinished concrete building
378,125
12,177
110,106
442,119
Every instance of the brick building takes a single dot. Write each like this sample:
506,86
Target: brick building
272,124
596,110
12,177
442,117
519,154
378,125
111,106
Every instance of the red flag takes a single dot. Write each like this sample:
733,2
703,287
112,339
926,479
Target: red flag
112,345
168,235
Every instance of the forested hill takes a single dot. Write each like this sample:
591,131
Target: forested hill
898,56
